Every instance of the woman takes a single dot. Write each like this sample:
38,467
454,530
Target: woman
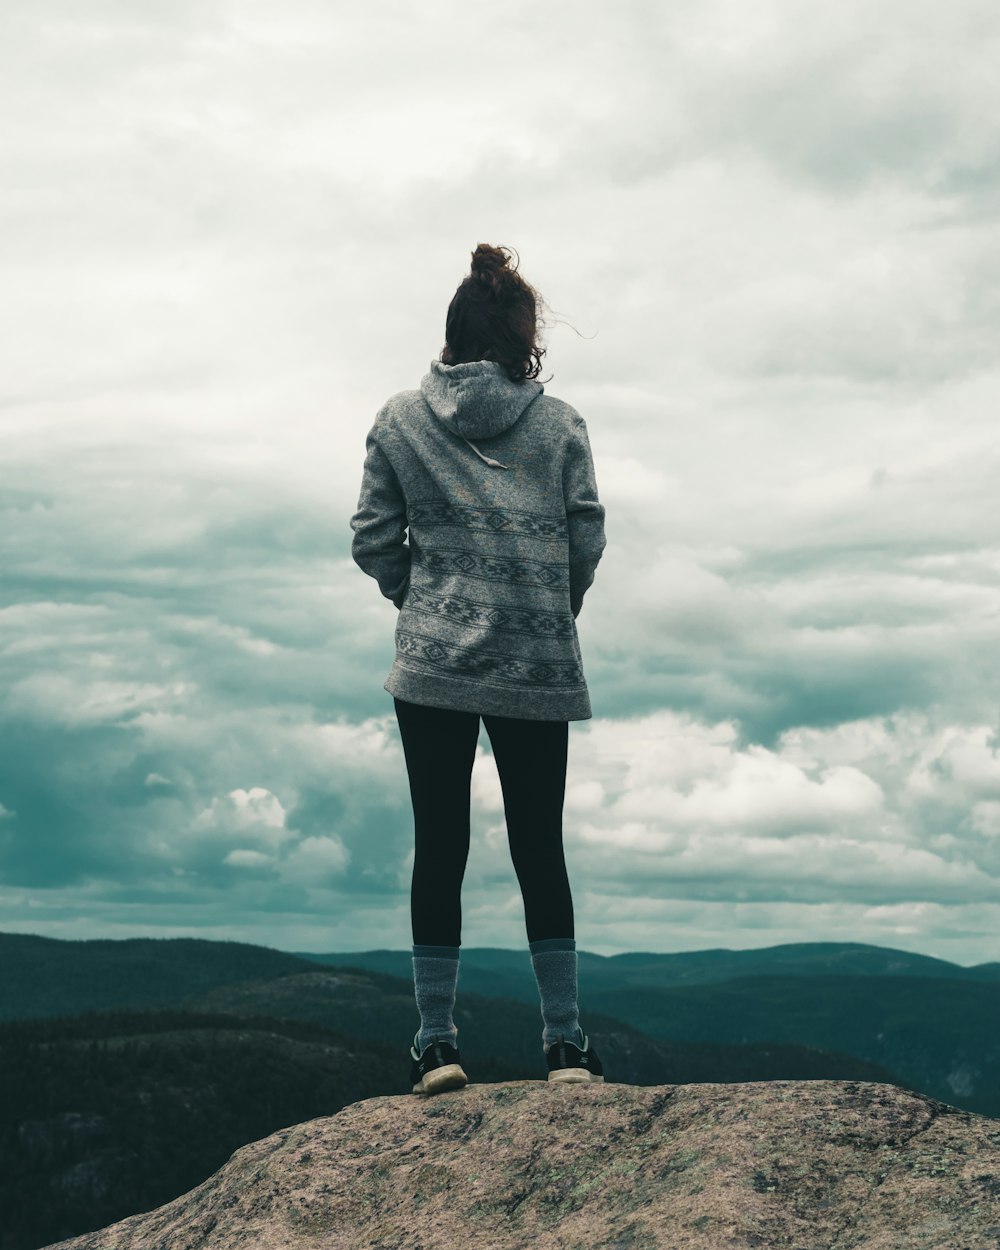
505,533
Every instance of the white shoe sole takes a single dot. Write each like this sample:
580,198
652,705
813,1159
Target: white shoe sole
574,1076
450,1076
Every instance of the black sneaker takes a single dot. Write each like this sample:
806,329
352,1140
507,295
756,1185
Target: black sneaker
570,1063
436,1069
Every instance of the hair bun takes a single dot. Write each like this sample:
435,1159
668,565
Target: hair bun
494,315
491,264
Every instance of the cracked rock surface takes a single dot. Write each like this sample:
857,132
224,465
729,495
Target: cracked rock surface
809,1165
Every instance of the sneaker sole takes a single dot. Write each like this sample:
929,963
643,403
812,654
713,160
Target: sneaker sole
574,1076
450,1076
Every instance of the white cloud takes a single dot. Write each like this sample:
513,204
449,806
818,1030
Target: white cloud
685,804
244,858
985,818
316,861
256,811
785,358
973,760
54,698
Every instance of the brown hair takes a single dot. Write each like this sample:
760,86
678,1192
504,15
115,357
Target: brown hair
494,315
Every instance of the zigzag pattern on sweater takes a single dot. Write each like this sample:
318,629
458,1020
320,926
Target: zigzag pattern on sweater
514,570
445,657
512,620
494,520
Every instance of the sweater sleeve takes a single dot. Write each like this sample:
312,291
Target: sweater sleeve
584,514
379,524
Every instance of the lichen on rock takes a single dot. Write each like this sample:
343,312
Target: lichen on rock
812,1164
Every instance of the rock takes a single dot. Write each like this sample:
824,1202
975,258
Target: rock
808,1165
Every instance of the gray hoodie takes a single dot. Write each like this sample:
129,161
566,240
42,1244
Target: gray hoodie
494,481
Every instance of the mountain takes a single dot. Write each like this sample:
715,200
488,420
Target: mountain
41,976
508,972
814,1164
931,1022
375,1006
110,1113
137,1066
904,1022
939,1035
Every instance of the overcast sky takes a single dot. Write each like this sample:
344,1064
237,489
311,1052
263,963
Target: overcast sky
768,240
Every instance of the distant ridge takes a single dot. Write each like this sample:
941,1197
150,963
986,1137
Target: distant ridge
43,976
930,1023
511,969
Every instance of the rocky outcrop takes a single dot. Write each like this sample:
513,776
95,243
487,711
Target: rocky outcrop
809,1165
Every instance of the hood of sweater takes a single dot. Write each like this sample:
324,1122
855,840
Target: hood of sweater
476,400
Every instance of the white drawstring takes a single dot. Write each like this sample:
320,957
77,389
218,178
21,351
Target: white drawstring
495,464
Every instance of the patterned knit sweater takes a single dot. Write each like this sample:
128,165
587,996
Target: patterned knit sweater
505,534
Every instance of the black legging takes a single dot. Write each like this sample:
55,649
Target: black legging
440,745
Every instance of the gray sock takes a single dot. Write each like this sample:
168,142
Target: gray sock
554,963
435,979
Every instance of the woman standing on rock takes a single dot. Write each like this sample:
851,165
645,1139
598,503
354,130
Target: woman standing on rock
505,534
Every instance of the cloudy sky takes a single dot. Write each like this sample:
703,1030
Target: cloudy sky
768,242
